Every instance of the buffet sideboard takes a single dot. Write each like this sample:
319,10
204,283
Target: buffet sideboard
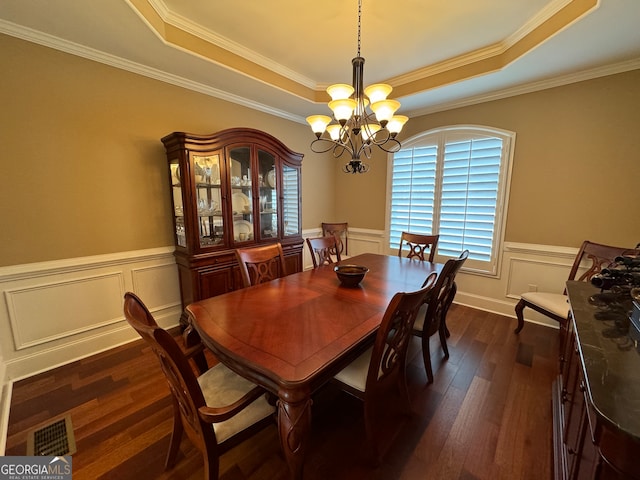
596,396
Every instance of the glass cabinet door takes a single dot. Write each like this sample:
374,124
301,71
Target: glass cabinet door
268,189
208,196
178,207
291,204
241,193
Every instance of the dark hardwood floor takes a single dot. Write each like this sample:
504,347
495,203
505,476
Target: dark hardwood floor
486,416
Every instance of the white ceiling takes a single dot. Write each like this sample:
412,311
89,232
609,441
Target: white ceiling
312,43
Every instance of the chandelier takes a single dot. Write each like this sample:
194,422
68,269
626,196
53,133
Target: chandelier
360,123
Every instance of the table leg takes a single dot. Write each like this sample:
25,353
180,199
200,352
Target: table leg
294,422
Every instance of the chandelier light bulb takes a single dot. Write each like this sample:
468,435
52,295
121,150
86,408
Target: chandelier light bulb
340,91
342,109
378,92
368,131
396,123
318,123
336,131
384,110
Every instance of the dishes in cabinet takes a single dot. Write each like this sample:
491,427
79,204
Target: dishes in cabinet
175,174
240,203
242,230
271,178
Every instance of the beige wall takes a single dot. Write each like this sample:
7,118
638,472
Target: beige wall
83,168
575,170
84,173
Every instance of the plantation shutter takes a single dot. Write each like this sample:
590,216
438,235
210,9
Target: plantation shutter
470,181
412,192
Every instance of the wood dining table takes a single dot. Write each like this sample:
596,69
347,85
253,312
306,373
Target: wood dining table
293,334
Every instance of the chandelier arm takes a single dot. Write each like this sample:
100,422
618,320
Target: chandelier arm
389,144
395,145
316,146
339,149
366,149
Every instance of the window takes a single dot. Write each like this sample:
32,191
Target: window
453,182
290,195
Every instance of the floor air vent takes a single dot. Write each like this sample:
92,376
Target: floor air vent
52,439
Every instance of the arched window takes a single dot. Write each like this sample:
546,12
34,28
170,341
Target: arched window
454,182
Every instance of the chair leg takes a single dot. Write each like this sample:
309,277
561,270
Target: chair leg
519,313
176,437
373,450
426,358
443,340
211,463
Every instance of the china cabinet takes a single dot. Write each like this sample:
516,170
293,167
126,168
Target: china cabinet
237,187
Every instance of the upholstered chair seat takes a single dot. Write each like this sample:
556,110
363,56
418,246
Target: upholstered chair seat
556,303
221,387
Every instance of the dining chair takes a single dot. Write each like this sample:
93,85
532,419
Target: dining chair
321,249
340,230
261,264
418,244
595,256
433,313
378,376
217,408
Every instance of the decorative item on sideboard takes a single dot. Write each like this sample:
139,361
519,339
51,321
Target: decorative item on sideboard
619,297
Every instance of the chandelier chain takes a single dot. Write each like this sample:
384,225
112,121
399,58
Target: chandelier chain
359,23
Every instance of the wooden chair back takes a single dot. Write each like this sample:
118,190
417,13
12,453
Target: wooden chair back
597,256
589,261
435,313
191,413
183,384
340,230
261,264
418,245
386,383
390,348
322,249
442,295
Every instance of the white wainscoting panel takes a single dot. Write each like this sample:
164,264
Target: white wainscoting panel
157,285
526,274
365,241
60,311
79,304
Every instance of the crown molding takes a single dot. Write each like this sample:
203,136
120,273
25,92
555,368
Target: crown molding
560,81
193,28
492,51
538,19
76,49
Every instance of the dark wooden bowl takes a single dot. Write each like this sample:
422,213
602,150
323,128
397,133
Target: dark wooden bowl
350,275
